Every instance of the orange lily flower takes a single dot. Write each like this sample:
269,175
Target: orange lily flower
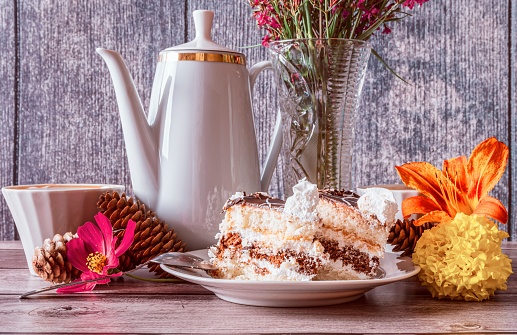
462,185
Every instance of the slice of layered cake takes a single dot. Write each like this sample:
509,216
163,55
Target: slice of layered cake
262,238
314,235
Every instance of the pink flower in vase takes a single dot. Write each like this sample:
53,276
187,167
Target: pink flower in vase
411,3
95,252
265,40
370,14
273,23
386,30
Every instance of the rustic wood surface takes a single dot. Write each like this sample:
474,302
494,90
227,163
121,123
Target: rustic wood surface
60,123
130,306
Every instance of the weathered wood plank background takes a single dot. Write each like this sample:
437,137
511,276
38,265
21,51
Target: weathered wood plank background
59,120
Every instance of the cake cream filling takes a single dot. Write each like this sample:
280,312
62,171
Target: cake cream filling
260,269
353,241
335,270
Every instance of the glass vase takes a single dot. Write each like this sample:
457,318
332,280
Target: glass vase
319,82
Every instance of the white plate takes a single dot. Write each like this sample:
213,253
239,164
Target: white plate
296,294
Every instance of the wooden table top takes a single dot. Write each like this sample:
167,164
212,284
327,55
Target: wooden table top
132,306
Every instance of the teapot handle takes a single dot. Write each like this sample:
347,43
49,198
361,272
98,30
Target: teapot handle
276,141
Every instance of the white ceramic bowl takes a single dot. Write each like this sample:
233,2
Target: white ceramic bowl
41,211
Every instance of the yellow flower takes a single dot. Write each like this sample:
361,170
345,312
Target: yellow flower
462,259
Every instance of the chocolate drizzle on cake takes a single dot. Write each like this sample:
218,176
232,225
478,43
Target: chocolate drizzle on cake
257,199
348,197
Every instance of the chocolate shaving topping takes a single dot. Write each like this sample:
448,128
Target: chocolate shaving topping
340,196
257,199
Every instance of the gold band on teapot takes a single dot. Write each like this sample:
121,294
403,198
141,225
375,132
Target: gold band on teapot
202,57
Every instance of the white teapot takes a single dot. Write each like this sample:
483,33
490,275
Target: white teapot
197,144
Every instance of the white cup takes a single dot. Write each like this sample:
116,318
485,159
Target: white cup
400,192
41,211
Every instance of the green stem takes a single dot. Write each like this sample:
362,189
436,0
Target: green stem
387,66
356,24
308,20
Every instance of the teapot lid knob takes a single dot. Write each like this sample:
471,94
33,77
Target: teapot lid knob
203,21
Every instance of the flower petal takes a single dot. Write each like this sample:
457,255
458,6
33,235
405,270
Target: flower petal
423,177
107,231
486,166
85,287
433,217
92,237
77,254
127,240
456,170
418,205
493,208
112,261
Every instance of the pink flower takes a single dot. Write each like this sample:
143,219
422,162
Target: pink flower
262,18
265,40
274,23
369,15
95,252
386,30
411,3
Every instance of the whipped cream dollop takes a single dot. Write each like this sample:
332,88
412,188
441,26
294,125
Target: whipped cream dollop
302,204
237,196
379,202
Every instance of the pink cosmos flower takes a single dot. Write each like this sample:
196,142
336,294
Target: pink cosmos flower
95,252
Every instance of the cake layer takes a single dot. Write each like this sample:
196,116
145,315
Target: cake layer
346,262
259,262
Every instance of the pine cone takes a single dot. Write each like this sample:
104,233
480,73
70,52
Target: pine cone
50,261
405,234
152,235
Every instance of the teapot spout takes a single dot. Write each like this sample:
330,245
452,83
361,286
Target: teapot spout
139,140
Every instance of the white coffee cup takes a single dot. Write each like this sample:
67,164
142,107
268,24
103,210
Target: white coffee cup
400,192
43,210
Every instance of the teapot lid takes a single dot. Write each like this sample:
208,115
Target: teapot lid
203,20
